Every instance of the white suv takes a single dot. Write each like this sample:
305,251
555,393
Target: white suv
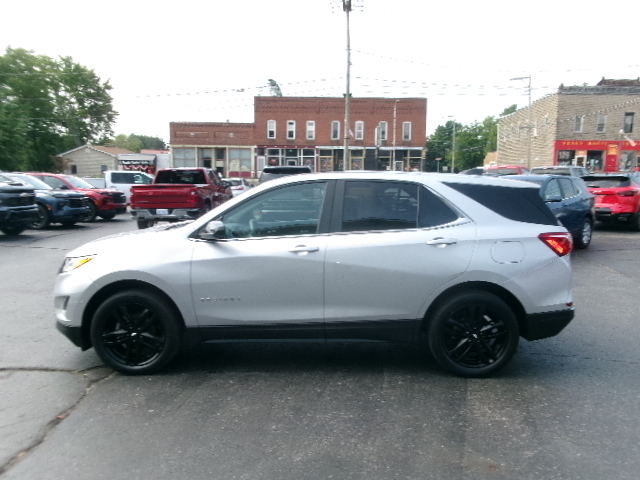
464,265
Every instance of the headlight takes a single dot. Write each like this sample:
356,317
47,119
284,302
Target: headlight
71,263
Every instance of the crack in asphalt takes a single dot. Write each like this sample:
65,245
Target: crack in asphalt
46,430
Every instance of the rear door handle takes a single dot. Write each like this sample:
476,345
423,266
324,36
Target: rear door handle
303,249
442,242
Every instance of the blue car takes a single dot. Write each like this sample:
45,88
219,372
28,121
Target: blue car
570,201
54,205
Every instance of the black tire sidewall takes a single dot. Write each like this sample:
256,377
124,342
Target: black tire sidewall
444,311
166,314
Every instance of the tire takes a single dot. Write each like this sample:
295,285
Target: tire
635,223
136,332
204,210
145,223
107,216
583,238
473,334
93,212
43,219
12,231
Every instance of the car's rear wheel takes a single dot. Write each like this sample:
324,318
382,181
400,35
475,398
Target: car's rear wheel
635,223
136,332
583,238
43,219
145,223
473,334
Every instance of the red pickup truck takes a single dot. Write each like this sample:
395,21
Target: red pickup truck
177,194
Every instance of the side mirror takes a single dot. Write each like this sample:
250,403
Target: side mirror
213,230
553,198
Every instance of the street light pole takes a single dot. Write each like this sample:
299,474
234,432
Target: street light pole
393,153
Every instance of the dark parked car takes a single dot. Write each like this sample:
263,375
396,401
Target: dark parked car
571,170
570,201
617,197
269,173
54,205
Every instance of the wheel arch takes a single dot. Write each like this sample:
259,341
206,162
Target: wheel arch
111,289
500,292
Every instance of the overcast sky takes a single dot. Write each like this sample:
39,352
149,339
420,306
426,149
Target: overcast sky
206,60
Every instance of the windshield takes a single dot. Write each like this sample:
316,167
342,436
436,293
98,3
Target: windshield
32,181
78,182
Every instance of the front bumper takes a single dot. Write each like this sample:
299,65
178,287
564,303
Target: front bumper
74,334
548,324
19,216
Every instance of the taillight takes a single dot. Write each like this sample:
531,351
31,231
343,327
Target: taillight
627,193
561,243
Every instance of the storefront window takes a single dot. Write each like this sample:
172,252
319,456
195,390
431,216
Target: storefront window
184,157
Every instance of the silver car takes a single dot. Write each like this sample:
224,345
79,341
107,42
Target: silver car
461,265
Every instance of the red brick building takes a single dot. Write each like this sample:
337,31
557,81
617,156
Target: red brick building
308,131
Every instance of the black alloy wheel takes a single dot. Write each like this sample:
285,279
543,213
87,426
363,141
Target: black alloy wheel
473,334
93,212
136,332
43,219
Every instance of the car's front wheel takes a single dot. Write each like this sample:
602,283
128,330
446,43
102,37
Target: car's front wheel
583,238
93,212
43,219
136,332
473,334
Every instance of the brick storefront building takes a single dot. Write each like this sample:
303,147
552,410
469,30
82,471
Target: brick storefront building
592,126
308,131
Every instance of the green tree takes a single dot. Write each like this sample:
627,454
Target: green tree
48,106
135,143
439,146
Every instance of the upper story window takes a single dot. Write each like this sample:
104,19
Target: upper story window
335,130
406,131
291,130
359,130
383,130
628,122
578,126
601,123
311,130
271,129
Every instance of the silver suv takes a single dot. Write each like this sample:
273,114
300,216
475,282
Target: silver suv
461,265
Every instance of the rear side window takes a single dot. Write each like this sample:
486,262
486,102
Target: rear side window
392,206
519,204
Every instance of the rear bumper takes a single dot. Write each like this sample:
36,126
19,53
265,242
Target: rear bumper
549,324
607,214
172,215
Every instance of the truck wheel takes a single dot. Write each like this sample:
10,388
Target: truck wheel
11,231
43,219
145,223
93,212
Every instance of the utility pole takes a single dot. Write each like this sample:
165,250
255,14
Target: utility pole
346,6
530,121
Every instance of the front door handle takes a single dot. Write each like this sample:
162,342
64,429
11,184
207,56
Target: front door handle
303,249
442,242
